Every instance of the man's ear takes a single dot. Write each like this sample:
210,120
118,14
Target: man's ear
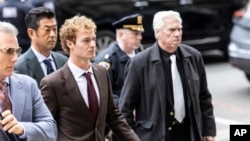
156,33
69,43
31,33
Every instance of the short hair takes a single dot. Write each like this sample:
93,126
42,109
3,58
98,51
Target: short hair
71,26
6,27
159,17
33,17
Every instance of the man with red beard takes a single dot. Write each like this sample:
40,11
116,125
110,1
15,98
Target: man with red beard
40,60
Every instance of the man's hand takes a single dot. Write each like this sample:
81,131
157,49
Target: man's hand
10,124
208,138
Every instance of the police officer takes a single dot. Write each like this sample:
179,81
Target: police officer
115,57
128,43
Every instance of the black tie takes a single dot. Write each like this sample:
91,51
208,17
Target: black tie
48,65
92,97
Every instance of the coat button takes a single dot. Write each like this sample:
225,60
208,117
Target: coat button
171,113
169,128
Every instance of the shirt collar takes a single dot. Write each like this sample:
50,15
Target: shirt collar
177,53
76,71
41,57
7,80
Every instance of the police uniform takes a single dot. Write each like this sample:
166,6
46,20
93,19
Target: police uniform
114,59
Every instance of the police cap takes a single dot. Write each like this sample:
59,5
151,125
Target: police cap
132,22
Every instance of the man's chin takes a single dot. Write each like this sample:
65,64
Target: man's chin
136,47
10,72
175,44
51,46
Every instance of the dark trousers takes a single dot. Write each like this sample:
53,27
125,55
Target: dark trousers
115,138
181,132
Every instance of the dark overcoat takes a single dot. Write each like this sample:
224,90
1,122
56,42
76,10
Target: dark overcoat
145,91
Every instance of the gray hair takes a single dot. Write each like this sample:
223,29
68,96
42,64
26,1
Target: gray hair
7,27
158,21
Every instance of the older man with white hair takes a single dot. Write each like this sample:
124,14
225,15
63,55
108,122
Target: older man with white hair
166,85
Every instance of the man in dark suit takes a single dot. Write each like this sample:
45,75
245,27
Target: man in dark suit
42,29
80,114
166,86
23,114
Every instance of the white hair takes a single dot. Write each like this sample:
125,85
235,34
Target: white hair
158,21
6,27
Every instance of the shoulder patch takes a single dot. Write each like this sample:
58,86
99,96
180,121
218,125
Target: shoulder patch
106,56
105,65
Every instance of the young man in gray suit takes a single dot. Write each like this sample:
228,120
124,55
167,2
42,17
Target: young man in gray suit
82,114
40,60
24,115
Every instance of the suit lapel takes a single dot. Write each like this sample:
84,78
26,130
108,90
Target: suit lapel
186,64
156,61
34,65
17,95
74,92
58,61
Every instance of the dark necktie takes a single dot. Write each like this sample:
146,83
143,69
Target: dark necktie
92,97
48,66
5,101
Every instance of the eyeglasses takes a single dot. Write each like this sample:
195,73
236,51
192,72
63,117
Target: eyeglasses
11,50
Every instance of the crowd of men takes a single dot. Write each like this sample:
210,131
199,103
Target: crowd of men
126,92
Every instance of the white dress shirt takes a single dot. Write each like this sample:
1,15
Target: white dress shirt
82,82
41,58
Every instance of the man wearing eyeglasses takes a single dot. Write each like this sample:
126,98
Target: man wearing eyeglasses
39,60
23,114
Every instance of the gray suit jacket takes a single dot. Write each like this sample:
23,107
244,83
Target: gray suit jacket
29,108
75,122
28,64
145,91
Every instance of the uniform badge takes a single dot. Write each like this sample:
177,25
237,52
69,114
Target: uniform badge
139,20
105,65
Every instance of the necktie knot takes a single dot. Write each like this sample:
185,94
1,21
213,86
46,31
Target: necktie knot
3,86
48,64
173,58
87,75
